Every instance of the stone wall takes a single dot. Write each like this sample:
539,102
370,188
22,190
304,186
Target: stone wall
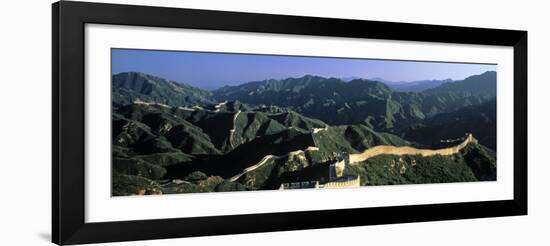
393,150
343,184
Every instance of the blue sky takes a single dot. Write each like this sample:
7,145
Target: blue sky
214,70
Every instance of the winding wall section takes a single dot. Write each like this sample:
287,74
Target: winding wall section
406,150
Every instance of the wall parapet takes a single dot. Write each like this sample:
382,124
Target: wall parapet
407,150
356,182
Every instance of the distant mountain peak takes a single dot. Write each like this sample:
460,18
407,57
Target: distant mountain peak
412,86
350,78
129,86
480,84
312,77
385,81
140,74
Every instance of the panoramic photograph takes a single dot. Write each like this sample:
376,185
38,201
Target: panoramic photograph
195,122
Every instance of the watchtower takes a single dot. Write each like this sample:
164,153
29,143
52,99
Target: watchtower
336,170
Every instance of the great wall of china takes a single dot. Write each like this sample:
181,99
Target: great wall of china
406,150
354,182
360,157
337,180
267,158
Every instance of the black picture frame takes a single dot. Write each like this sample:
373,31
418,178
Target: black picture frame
68,122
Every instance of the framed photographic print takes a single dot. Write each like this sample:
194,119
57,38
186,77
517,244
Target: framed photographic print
176,122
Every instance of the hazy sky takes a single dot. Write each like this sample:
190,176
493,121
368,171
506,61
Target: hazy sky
214,70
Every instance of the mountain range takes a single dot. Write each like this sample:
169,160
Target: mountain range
418,86
363,101
126,87
170,137
405,86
